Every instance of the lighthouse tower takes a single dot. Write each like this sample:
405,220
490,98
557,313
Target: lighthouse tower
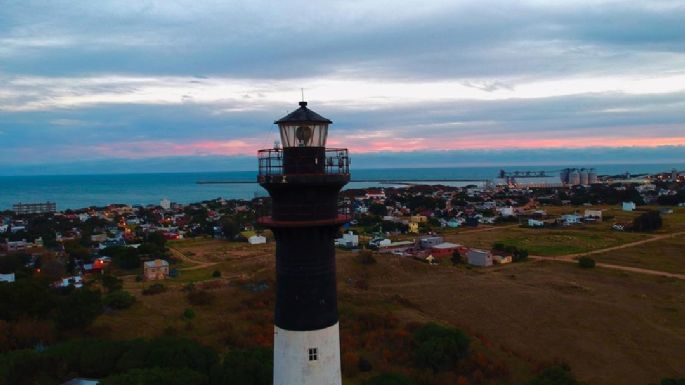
304,179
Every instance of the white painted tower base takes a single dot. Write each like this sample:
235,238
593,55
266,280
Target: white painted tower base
295,363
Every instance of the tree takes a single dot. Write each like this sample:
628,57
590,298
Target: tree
78,309
111,283
456,258
378,209
439,348
229,227
389,379
648,221
76,250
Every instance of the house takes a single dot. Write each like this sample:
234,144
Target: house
502,259
157,269
413,227
629,206
429,241
535,223
445,249
666,210
256,240
478,257
418,219
570,219
395,247
12,246
596,214
506,211
7,277
349,240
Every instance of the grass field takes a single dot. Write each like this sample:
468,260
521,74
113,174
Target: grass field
611,327
664,255
547,242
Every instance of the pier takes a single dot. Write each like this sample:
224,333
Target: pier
381,181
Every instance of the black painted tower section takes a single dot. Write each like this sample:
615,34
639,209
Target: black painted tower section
305,223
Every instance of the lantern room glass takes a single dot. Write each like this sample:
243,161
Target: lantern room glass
303,134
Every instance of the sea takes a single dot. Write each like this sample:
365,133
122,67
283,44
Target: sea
79,191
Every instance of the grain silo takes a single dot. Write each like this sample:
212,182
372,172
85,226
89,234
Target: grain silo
584,177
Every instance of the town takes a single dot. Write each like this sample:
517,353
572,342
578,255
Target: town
96,265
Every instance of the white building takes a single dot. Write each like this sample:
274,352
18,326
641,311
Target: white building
7,277
535,223
629,206
165,204
597,214
570,219
348,239
506,211
256,240
478,257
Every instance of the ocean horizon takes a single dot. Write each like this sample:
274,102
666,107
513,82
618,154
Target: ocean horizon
79,191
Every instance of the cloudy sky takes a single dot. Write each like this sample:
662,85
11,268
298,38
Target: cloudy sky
157,84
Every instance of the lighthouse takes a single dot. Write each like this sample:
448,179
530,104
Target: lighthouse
304,179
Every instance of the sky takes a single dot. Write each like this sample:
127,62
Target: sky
182,85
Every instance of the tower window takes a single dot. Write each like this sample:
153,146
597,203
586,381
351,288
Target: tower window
313,354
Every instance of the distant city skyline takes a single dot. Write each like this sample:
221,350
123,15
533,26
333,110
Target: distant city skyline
150,84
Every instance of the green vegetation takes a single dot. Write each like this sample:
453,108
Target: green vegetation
586,262
649,221
439,348
119,300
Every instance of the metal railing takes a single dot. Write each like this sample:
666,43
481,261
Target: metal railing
333,161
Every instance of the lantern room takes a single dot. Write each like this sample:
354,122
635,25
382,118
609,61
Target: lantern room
303,128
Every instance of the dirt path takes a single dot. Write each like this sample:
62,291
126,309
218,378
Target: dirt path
571,257
185,258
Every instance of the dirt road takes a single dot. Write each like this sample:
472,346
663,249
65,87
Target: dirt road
572,257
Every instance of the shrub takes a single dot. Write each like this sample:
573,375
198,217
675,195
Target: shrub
216,274
586,262
111,283
119,300
439,348
156,288
188,314
456,258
